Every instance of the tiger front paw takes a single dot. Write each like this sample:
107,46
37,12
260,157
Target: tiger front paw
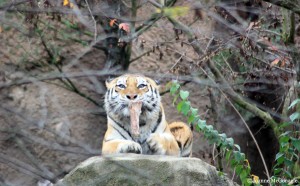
129,147
155,143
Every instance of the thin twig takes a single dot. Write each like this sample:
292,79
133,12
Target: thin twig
21,166
227,88
178,60
95,22
45,172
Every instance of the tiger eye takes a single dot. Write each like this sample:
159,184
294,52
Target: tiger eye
121,86
142,86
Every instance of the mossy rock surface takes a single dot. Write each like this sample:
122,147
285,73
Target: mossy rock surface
133,169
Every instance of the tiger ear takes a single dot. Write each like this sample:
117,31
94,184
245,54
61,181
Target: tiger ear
108,81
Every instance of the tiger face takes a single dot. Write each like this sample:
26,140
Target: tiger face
130,88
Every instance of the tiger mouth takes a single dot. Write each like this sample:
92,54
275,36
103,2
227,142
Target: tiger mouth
126,105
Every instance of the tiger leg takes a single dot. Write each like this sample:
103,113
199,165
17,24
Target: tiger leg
120,146
113,143
163,144
183,136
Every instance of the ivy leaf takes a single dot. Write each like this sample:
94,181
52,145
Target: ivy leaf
175,99
288,174
296,143
179,106
278,170
175,86
191,118
185,107
278,155
279,158
239,169
285,133
296,101
295,116
228,153
184,94
243,174
201,124
288,162
230,141
209,128
285,124
284,139
233,162
238,156
223,136
194,111
238,147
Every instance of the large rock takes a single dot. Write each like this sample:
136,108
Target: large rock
133,169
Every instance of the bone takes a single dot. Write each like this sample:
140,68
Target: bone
135,111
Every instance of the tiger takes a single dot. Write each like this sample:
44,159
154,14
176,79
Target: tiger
157,137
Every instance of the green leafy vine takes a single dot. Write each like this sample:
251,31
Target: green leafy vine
233,154
287,166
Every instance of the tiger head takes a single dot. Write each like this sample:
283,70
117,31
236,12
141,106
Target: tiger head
131,87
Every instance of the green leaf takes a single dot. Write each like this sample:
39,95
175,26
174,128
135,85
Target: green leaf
296,144
193,115
179,106
239,157
284,139
209,128
291,150
238,147
228,153
295,116
279,155
191,118
277,171
288,174
239,169
223,136
215,133
243,174
230,141
233,162
201,124
296,156
285,124
194,111
184,94
296,101
175,99
285,133
175,86
280,160
185,107
288,162
174,11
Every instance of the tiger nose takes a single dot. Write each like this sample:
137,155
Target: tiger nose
131,96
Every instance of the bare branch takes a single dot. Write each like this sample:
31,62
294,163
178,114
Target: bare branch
288,4
227,88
